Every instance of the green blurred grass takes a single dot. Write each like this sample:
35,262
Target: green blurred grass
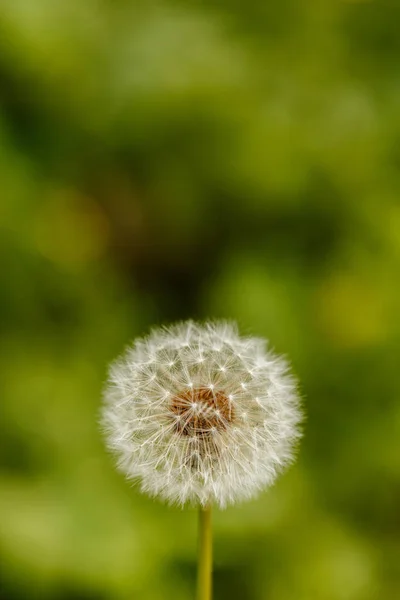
172,160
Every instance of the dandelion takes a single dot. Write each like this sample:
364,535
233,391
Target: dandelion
201,415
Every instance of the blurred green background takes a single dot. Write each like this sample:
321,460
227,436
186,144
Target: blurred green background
166,160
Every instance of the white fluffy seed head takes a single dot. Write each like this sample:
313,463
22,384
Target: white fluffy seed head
199,414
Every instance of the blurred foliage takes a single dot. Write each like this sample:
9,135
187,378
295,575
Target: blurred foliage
165,160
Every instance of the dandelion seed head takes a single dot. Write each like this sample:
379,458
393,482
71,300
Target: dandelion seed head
200,414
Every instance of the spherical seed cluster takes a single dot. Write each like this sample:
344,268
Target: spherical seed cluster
200,414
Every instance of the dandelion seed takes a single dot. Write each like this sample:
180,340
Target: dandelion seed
199,432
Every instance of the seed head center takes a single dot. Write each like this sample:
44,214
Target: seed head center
200,411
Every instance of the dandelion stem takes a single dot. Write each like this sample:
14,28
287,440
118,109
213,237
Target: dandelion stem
204,564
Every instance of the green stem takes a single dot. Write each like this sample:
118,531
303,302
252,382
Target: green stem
204,564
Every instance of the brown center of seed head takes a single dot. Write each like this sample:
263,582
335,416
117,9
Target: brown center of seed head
200,411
